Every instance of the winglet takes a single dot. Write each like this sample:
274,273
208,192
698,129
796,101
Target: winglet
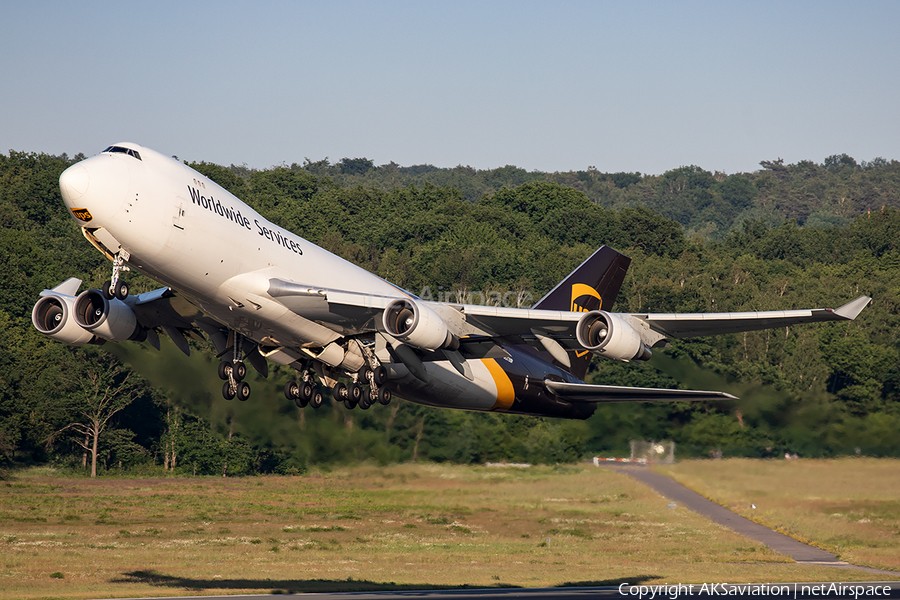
853,308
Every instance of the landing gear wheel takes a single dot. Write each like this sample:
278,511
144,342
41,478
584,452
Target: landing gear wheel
306,391
240,371
384,396
354,392
224,370
107,292
294,391
365,401
379,375
227,392
349,404
243,391
316,398
339,392
121,290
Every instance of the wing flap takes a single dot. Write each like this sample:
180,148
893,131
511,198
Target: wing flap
586,392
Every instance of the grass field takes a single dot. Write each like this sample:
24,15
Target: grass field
365,528
848,506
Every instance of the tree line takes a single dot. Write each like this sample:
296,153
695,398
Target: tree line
709,204
817,390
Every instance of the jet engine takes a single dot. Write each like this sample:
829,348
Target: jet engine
110,319
417,325
611,337
52,315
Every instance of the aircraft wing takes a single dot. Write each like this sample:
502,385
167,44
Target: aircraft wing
528,324
653,327
585,392
683,325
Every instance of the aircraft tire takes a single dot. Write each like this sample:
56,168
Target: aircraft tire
349,404
224,370
107,292
227,392
240,371
315,400
384,396
292,391
339,392
243,391
354,392
365,400
306,391
379,375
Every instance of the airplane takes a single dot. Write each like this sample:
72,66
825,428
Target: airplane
261,293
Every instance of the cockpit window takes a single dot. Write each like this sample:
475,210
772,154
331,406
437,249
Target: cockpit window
121,150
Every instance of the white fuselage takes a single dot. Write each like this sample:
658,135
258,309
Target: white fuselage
187,232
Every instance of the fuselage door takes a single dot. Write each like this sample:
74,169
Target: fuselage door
179,213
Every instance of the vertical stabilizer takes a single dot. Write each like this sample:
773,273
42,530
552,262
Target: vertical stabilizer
594,285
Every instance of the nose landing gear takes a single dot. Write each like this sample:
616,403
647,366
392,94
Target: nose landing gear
114,288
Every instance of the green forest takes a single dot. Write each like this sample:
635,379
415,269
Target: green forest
783,237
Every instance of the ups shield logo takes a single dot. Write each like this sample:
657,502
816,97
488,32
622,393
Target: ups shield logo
82,214
584,298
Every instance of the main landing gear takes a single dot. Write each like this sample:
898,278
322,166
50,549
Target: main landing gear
305,392
233,372
366,389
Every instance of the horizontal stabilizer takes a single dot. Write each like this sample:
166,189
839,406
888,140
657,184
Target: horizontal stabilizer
585,392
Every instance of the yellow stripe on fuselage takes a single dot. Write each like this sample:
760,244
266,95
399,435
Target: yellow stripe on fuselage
505,391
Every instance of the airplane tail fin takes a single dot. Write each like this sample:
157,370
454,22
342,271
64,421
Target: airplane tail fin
594,285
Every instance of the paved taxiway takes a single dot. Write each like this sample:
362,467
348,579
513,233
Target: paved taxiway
800,552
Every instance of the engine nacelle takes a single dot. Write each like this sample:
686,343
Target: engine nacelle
610,337
417,325
110,319
52,315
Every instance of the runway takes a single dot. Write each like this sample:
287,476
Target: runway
669,488
794,591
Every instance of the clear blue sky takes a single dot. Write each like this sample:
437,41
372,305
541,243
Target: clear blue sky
623,86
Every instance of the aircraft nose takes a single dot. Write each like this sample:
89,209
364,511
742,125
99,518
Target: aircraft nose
73,183
95,189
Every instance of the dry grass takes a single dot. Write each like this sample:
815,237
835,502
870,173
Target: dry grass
362,528
848,506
